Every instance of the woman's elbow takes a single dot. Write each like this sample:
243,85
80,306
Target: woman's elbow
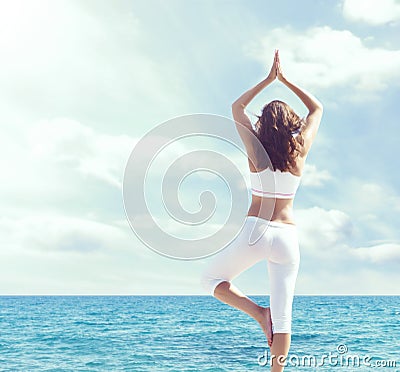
317,108
237,106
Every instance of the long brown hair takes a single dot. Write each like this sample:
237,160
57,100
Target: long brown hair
274,130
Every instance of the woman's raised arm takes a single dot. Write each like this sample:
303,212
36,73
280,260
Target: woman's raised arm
242,121
315,108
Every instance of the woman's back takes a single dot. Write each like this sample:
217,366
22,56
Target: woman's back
275,207
274,131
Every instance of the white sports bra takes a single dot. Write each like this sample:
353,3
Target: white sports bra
274,184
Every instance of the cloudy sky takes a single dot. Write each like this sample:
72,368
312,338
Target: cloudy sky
83,81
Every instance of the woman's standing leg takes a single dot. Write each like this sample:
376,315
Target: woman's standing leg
283,266
282,285
279,351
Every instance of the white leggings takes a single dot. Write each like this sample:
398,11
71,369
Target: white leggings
279,245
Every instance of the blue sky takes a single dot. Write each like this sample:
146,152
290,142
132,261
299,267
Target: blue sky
82,82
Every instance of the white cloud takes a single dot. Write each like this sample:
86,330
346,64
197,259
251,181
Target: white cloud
331,263
322,230
52,233
69,143
314,177
371,11
376,195
374,208
322,57
331,279
382,253
55,254
63,165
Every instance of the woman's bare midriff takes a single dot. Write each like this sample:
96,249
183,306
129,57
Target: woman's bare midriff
279,210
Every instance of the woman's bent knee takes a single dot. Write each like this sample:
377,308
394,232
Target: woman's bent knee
209,284
221,286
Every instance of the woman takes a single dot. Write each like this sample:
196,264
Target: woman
287,139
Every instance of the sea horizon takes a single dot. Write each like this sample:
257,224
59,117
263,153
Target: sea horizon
200,295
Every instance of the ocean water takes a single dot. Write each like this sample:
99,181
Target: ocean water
192,333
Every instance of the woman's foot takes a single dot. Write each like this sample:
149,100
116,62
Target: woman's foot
266,323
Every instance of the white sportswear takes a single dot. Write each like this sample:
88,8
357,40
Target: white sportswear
278,244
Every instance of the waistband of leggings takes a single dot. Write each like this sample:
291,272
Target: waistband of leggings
272,223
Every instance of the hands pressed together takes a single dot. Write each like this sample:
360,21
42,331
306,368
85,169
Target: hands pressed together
276,70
